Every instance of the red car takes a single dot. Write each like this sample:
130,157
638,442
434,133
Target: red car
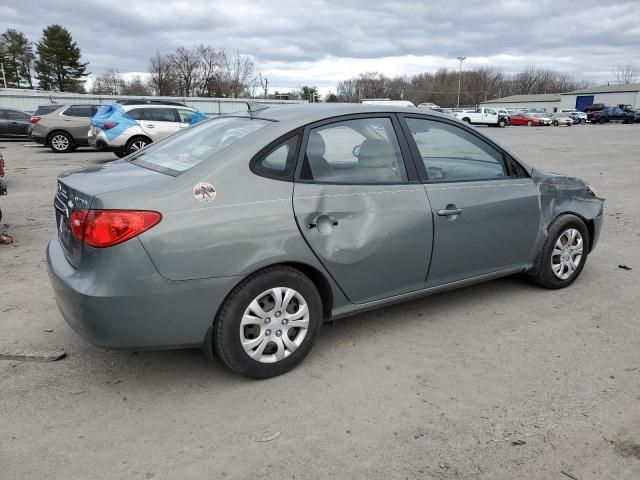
526,119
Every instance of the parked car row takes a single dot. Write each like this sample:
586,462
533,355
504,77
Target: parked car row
122,127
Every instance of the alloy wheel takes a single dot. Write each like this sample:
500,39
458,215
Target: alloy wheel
567,253
60,142
274,325
138,145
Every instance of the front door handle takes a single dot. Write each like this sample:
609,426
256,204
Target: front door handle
450,211
151,126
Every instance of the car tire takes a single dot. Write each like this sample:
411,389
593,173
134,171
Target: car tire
555,265
602,120
136,143
555,123
60,142
237,342
530,123
502,123
120,154
468,120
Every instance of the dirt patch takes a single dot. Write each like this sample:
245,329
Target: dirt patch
627,448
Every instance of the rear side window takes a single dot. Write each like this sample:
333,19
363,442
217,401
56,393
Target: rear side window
279,161
361,151
80,111
45,110
136,113
196,144
160,115
451,154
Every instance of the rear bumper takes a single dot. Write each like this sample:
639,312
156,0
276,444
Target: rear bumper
141,310
99,144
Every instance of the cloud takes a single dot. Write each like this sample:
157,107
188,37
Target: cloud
320,42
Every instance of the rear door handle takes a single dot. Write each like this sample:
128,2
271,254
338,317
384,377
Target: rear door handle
447,212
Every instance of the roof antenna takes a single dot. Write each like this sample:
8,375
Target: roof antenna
254,107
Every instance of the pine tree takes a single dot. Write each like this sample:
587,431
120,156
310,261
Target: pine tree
58,65
16,53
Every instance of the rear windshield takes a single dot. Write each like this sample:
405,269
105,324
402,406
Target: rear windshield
190,147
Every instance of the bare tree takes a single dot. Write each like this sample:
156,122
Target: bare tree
186,66
347,90
207,74
238,74
163,78
109,83
135,86
627,73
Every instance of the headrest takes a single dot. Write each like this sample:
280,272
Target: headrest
315,146
376,153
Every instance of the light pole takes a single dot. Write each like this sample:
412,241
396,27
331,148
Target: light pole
460,59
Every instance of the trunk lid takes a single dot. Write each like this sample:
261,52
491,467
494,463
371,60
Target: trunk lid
77,189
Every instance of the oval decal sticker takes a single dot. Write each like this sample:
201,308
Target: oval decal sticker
204,192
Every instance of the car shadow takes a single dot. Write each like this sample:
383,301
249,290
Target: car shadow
189,367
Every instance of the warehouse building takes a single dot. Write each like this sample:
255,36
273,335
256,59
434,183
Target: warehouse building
610,95
547,102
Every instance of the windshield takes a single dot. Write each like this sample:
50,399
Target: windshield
190,147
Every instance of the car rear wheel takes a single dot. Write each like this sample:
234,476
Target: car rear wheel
563,254
136,143
602,120
61,142
502,123
530,123
555,123
269,323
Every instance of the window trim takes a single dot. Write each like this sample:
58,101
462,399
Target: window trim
271,147
405,152
507,161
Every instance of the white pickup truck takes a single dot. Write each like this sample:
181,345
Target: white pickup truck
483,116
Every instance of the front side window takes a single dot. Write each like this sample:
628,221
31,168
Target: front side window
185,115
451,154
84,111
196,144
160,115
362,151
13,115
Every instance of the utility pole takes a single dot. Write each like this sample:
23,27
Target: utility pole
4,80
460,59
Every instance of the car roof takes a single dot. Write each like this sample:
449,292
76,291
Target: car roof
302,114
128,107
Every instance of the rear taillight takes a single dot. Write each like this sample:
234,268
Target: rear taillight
109,125
35,119
106,228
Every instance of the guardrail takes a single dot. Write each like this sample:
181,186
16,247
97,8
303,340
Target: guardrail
29,101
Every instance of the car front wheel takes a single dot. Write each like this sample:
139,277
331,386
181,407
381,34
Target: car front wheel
269,323
563,254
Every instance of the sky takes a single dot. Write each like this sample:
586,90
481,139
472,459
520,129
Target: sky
319,43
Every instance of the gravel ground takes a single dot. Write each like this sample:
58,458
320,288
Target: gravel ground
498,381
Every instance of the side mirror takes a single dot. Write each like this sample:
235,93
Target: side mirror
356,151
